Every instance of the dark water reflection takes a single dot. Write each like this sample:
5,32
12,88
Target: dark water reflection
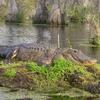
71,36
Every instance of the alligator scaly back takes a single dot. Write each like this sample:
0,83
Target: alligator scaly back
31,52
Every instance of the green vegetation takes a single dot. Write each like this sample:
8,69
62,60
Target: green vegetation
77,14
20,17
11,65
61,73
35,68
10,72
2,13
57,69
95,41
25,11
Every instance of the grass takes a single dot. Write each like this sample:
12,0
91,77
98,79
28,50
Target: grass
77,13
53,72
15,64
10,73
57,69
59,72
33,67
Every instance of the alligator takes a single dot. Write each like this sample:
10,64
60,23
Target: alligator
43,55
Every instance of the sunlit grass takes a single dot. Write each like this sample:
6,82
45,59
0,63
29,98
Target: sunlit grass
11,72
58,69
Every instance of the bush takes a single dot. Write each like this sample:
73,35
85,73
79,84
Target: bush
77,13
20,17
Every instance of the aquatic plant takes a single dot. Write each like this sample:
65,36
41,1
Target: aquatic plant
77,13
95,40
20,17
94,22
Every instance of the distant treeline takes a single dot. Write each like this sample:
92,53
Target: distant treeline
56,12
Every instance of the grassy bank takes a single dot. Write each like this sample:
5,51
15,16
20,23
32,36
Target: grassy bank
62,74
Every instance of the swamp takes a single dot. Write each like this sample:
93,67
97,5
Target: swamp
49,49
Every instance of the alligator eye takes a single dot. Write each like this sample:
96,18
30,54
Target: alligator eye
75,51
38,49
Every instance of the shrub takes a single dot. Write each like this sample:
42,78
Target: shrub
77,13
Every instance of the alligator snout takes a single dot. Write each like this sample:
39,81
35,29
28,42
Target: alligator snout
79,56
90,62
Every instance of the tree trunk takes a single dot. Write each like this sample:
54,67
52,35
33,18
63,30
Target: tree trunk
12,10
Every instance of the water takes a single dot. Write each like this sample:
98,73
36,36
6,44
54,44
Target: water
5,94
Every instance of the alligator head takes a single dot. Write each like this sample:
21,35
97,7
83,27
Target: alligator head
79,56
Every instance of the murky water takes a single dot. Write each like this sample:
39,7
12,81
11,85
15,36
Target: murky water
72,36
23,94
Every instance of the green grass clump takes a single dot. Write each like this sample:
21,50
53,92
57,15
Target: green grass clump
11,65
57,69
97,66
35,68
10,72
62,66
